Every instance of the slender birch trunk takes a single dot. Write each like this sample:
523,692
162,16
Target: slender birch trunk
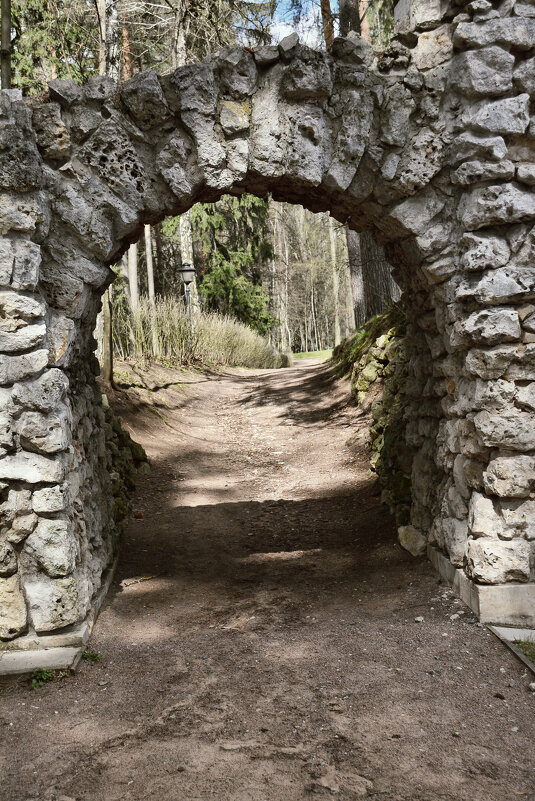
5,60
336,283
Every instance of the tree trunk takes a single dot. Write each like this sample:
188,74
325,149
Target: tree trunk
133,285
357,280
106,367
112,39
101,9
349,16
150,284
5,67
336,282
327,22
380,289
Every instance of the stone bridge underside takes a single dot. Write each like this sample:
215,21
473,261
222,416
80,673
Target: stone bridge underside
431,147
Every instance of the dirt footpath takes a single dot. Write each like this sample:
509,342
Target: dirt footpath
260,641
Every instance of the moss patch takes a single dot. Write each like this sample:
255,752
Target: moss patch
376,355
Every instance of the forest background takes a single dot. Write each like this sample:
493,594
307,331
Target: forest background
301,280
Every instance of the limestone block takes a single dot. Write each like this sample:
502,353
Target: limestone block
20,212
514,32
56,602
62,334
177,164
353,49
13,616
288,45
66,93
455,536
492,561
192,89
508,116
522,368
19,263
307,78
20,162
483,520
17,368
266,55
15,337
496,205
473,172
43,394
236,70
143,97
8,559
234,116
412,540
32,468
99,88
53,547
510,476
519,518
18,306
503,285
48,500
487,327
433,48
526,174
526,9
396,111
84,121
509,429
305,156
418,14
356,112
525,396
413,215
18,503
469,145
44,433
484,251
482,72
524,76
53,138
21,527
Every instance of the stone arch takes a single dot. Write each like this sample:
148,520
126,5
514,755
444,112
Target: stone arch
430,148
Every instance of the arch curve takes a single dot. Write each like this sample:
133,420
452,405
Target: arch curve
414,147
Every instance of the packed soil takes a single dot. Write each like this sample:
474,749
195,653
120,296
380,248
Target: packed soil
266,638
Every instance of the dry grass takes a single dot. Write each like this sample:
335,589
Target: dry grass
166,335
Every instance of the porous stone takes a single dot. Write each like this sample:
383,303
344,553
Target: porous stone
472,172
13,615
510,476
484,251
52,546
508,429
496,205
488,71
44,433
483,519
31,467
66,93
525,396
488,327
17,368
143,97
412,540
53,137
473,145
514,32
48,500
56,602
234,116
508,116
493,561
44,393
19,264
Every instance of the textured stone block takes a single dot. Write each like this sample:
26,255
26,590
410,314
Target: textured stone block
53,547
491,561
482,72
13,616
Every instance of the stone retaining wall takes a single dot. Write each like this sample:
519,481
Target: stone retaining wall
430,146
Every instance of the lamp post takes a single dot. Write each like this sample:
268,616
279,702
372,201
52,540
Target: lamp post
188,275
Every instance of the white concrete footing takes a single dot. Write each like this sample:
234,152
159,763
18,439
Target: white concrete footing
56,651
499,604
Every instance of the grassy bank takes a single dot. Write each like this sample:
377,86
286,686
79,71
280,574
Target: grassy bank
166,335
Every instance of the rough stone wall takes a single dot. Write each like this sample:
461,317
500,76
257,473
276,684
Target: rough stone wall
431,147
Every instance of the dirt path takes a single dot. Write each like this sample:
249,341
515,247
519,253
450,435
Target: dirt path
274,654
